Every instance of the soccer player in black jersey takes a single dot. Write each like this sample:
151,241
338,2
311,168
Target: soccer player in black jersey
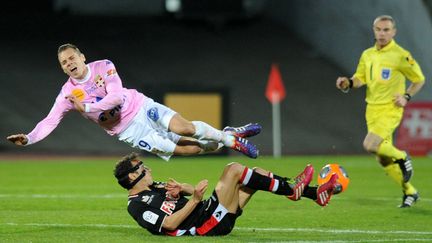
162,208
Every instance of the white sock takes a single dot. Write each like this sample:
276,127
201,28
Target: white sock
209,146
204,131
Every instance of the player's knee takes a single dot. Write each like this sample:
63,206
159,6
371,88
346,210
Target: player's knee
369,147
234,168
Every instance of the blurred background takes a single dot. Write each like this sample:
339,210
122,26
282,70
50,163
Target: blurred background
210,60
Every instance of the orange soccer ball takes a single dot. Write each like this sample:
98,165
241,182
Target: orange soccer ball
343,178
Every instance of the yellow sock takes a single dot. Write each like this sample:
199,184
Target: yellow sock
409,189
395,173
387,149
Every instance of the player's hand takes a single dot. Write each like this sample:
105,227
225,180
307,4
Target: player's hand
400,100
76,102
173,188
342,83
18,139
199,191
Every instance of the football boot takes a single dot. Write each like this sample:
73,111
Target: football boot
409,200
245,131
326,190
244,146
299,183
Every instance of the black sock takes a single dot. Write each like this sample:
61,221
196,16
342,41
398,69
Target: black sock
257,181
310,192
271,175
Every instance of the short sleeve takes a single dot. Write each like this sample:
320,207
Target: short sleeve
411,69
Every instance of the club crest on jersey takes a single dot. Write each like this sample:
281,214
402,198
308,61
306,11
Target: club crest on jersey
153,114
385,73
99,81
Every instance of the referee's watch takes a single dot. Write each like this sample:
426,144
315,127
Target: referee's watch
407,97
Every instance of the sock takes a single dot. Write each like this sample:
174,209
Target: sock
387,149
257,181
209,146
204,131
409,189
308,192
395,173
271,175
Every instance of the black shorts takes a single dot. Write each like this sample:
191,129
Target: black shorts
213,219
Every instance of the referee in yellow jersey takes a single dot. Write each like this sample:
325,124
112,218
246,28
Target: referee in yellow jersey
384,69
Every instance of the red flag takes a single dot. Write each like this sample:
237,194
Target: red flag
275,91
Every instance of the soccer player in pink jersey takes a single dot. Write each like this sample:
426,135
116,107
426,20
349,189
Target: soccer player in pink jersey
96,91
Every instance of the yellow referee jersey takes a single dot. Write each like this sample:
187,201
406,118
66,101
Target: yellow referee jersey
385,71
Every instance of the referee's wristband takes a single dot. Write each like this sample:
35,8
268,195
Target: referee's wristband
407,96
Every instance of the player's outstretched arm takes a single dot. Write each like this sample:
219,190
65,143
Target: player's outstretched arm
18,139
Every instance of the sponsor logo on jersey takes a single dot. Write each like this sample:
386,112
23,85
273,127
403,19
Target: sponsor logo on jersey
111,72
79,94
168,207
150,217
153,114
386,73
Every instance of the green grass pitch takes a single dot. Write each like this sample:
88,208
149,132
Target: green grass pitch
78,200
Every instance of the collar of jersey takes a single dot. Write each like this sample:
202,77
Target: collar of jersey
387,47
85,79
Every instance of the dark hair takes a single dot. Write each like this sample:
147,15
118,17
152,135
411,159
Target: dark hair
122,169
68,46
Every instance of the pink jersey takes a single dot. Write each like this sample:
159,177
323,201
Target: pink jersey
105,100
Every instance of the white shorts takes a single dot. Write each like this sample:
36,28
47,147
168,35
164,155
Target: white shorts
149,130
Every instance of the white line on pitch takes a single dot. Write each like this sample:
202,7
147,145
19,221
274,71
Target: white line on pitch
68,196
329,231
121,195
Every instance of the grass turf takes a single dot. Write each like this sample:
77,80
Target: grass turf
78,200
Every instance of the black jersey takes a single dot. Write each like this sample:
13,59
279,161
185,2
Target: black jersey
150,208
